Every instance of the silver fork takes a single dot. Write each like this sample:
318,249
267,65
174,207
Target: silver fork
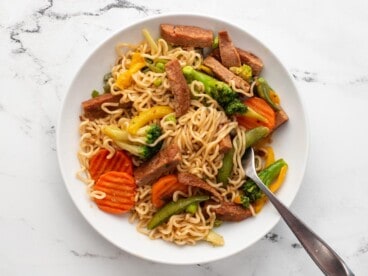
320,252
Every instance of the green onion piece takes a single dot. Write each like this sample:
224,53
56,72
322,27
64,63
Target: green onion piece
215,42
106,77
160,66
157,82
217,223
95,93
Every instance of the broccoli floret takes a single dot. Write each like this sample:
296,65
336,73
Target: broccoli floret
171,118
227,98
244,71
218,90
139,144
235,107
149,133
139,150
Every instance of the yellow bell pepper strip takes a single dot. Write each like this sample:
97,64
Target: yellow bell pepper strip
280,179
275,97
155,112
270,157
124,79
258,204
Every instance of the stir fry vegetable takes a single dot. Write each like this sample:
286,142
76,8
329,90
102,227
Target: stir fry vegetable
124,79
244,71
164,188
142,140
222,93
261,107
172,208
267,175
252,136
265,91
144,117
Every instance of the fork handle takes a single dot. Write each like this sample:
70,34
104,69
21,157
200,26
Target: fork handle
321,253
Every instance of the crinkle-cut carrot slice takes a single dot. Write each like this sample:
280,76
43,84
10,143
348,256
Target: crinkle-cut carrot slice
100,164
120,189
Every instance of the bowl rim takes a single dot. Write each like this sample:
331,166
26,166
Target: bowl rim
79,68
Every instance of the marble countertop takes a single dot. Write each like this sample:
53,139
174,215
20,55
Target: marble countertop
42,43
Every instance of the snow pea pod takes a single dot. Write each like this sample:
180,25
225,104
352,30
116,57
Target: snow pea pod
252,136
264,91
173,208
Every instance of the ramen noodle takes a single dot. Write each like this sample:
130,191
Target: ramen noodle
139,81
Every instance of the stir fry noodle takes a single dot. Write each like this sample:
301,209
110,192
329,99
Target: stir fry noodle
165,139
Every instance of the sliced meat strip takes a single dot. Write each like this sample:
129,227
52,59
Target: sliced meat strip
225,144
163,162
252,60
245,58
225,74
281,118
186,35
216,54
92,107
229,55
192,180
229,211
179,87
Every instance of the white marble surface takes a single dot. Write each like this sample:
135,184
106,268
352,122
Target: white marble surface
42,43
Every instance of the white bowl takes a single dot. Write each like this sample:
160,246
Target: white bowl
290,142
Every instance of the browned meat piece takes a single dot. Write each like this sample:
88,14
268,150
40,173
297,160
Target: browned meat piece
225,74
179,87
229,211
165,161
92,107
225,144
245,58
252,60
186,35
216,54
281,118
228,53
192,180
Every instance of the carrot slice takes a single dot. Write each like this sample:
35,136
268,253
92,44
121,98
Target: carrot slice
260,106
119,188
164,188
100,164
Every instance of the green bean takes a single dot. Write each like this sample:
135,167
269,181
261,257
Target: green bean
251,137
267,175
172,208
192,208
227,167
